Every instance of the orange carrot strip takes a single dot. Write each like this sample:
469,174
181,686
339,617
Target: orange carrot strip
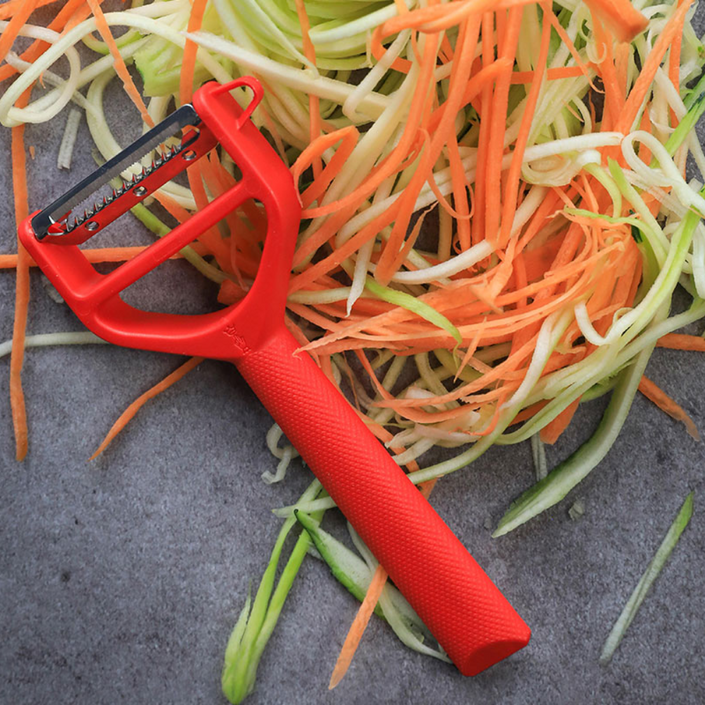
495,145
478,228
680,341
136,405
668,405
80,14
19,328
571,47
357,628
553,74
511,188
552,431
378,51
188,62
613,99
674,64
210,239
419,104
120,66
393,253
620,16
103,254
642,86
314,102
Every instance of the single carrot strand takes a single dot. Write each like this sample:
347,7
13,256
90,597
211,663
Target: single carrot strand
495,146
680,341
314,101
81,13
552,431
668,405
613,100
357,628
19,328
188,62
478,228
620,16
120,66
511,188
104,254
674,64
136,405
553,74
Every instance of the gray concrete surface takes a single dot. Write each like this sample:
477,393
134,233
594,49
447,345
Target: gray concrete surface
121,579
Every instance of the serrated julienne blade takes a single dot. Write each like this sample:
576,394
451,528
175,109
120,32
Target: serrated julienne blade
60,208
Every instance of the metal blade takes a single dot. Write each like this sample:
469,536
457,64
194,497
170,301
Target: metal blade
60,208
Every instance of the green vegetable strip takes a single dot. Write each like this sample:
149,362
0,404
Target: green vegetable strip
647,579
411,303
256,624
568,474
348,569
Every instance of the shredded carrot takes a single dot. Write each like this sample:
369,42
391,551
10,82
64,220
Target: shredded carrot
188,63
120,66
553,430
668,405
357,628
104,254
680,341
555,73
624,21
136,405
19,186
314,103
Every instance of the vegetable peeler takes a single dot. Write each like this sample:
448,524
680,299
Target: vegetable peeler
458,602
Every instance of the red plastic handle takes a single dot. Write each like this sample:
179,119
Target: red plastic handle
462,607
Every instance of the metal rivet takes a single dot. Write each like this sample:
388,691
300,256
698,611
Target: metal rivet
190,155
140,191
92,226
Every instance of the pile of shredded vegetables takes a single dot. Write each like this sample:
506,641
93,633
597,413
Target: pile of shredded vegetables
496,212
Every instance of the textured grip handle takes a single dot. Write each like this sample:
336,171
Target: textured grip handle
460,605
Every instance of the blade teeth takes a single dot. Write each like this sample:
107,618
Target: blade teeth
160,158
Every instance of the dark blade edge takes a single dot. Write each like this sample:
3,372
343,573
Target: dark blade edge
185,115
